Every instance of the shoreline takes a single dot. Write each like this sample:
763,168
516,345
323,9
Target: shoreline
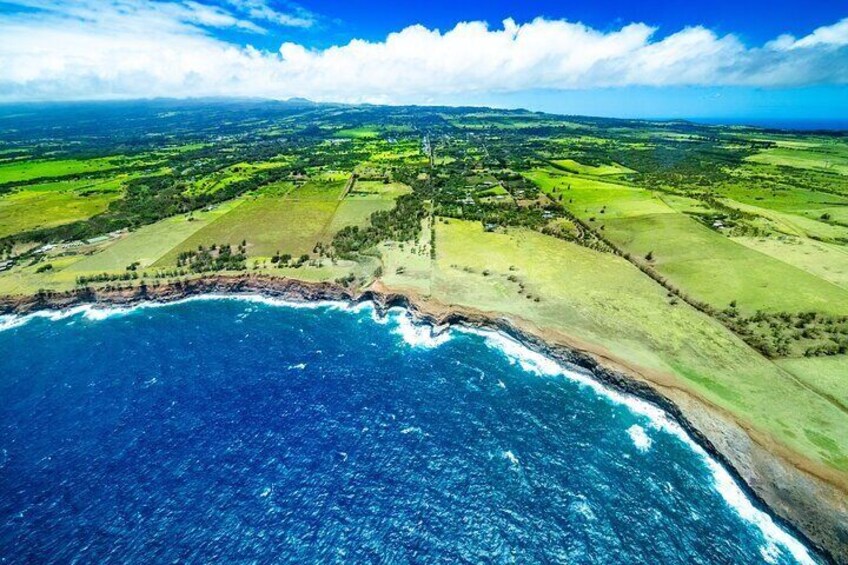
807,503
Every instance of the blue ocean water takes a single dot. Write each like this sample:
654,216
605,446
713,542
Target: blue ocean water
223,430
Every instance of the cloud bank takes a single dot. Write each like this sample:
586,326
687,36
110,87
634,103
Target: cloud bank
107,49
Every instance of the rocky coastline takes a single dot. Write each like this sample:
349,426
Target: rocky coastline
809,502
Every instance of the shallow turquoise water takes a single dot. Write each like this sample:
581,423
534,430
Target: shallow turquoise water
244,430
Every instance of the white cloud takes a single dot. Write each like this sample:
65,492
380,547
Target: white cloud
261,10
131,48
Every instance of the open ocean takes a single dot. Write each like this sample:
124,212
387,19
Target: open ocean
244,430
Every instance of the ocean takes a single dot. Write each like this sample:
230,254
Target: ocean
225,429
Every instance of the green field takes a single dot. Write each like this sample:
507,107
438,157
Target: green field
573,166
55,203
268,224
702,262
824,260
229,175
358,133
598,298
290,219
21,171
823,374
823,158
150,243
728,271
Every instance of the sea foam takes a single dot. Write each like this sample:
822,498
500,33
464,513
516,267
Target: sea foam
539,364
422,335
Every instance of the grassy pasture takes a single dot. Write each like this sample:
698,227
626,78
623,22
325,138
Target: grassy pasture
356,212
793,224
369,189
601,299
26,279
290,219
789,199
268,224
22,171
319,189
824,158
225,177
716,269
826,374
573,166
358,133
703,263
826,261
586,197
149,243
27,210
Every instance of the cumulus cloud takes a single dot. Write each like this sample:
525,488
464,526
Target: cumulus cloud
131,48
835,35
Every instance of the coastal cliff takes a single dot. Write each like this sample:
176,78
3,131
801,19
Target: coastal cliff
811,499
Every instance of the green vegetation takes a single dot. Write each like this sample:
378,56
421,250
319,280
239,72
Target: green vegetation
601,299
29,170
25,210
711,259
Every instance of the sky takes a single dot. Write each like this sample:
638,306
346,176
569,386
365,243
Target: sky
733,61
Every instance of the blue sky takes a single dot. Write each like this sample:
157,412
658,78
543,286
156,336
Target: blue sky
733,61
757,21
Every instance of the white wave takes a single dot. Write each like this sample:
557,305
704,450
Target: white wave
423,335
411,430
297,367
510,456
96,313
418,335
639,437
725,484
770,553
